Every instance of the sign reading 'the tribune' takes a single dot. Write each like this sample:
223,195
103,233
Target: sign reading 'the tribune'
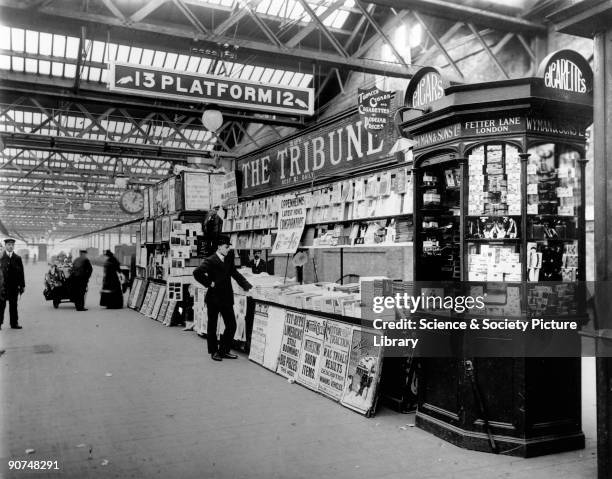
195,87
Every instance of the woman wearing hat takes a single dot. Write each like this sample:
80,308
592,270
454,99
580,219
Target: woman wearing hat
111,295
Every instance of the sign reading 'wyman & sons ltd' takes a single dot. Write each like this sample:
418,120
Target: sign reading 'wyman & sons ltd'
195,87
336,149
501,125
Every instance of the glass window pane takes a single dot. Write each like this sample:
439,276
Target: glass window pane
97,51
31,41
135,55
30,65
17,39
45,43
181,64
56,69
70,71
147,56
72,47
59,44
44,67
5,62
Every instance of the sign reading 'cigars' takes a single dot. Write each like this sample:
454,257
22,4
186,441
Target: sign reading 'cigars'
337,149
426,86
568,72
195,87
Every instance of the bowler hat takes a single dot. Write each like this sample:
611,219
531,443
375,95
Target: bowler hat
224,239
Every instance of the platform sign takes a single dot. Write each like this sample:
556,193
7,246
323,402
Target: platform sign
219,90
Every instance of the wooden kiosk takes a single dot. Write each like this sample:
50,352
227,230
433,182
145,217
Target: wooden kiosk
499,197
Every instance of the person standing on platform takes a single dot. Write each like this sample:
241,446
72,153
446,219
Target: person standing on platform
111,295
13,282
81,272
258,265
212,229
216,274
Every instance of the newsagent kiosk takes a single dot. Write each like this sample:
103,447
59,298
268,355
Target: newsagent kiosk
499,197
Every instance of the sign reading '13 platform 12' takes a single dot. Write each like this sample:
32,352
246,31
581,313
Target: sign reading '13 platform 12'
194,87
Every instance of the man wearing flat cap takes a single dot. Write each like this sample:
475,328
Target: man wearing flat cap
81,272
216,273
14,282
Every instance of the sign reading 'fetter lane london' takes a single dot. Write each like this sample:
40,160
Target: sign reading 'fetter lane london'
335,149
184,86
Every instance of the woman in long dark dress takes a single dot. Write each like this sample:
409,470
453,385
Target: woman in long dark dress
111,295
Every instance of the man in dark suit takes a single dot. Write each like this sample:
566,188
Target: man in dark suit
216,274
258,265
81,272
14,282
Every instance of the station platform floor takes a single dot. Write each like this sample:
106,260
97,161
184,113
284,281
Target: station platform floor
112,394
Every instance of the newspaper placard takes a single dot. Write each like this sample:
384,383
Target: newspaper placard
363,372
311,354
274,337
336,349
216,190
197,191
258,336
229,193
293,333
291,221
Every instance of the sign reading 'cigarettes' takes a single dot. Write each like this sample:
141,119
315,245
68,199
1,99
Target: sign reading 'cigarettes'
194,87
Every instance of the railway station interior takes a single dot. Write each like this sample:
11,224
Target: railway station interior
306,238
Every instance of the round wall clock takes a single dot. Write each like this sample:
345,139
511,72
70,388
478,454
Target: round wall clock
132,201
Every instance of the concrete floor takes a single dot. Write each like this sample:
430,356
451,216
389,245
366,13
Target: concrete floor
168,411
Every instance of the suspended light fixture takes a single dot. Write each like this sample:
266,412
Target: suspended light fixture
212,119
121,179
86,205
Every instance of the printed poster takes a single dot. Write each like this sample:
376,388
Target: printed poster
291,344
274,336
197,191
311,354
258,335
291,221
363,372
229,193
147,298
334,364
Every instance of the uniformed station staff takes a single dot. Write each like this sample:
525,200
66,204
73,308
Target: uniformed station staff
12,283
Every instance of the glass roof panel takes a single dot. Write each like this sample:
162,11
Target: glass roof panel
147,56
135,53
70,71
44,67
17,39
31,66
72,47
45,43
97,51
59,45
5,62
